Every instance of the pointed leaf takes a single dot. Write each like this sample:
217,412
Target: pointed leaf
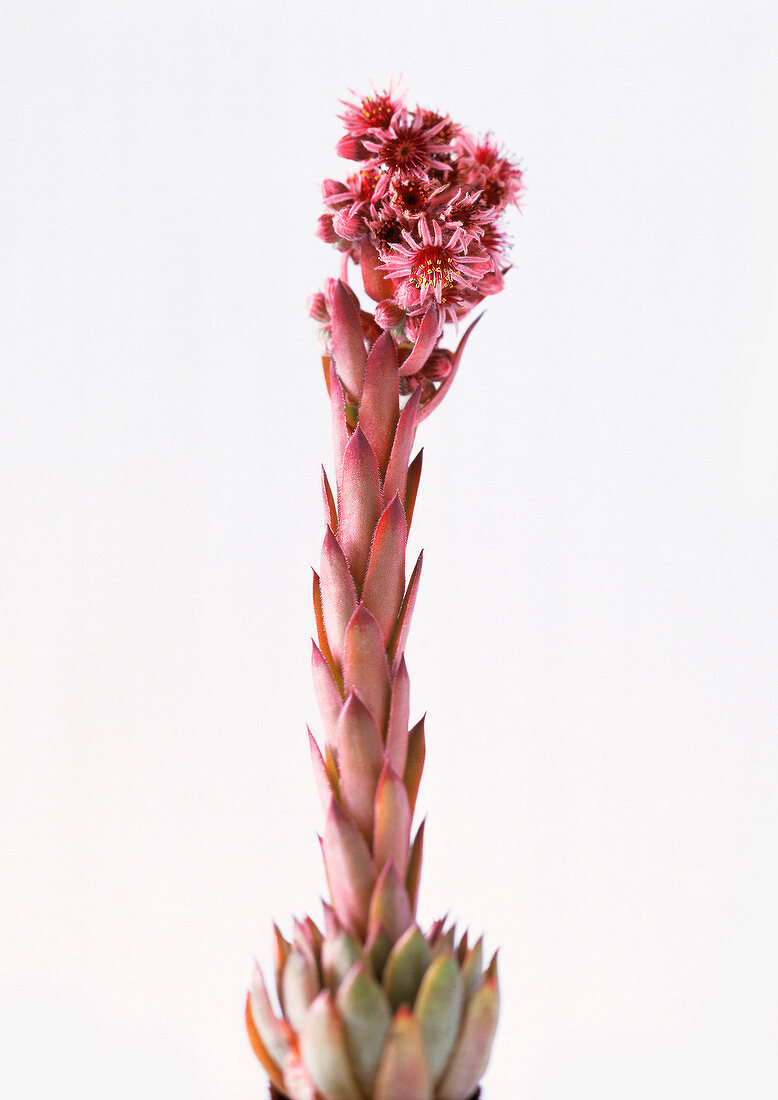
348,345
338,595
360,759
364,665
272,1032
413,874
339,426
359,504
404,1071
380,404
297,1081
399,710
325,1053
339,953
390,906
429,331
300,983
397,470
405,967
445,385
327,694
321,631
281,949
350,870
322,779
330,511
472,966
366,1016
412,486
414,762
392,826
400,635
438,1008
271,1068
377,948
473,1046
385,580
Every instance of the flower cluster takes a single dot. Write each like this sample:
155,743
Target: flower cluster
421,218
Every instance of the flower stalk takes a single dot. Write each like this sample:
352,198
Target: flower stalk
372,1007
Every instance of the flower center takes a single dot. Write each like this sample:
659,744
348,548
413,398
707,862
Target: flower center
433,268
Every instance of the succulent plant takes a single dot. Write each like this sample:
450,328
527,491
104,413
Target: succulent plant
370,1007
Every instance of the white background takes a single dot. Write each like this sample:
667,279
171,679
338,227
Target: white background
595,641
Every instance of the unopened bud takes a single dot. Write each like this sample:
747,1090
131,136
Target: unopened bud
351,149
317,307
325,231
388,314
348,225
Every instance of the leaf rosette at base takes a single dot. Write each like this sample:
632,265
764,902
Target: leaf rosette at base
414,1018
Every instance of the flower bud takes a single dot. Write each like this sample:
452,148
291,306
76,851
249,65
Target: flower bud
351,149
388,314
325,231
317,307
348,225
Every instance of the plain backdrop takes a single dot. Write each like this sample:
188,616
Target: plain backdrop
596,640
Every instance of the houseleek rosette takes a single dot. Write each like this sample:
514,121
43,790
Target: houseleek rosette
371,1007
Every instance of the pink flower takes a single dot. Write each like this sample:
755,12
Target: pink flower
406,146
439,261
371,112
482,166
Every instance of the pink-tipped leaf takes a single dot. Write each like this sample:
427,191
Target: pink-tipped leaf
473,1046
364,665
325,1051
385,580
414,763
390,906
412,486
380,405
327,694
403,1072
397,727
350,870
392,828
403,624
340,434
330,511
320,775
360,759
348,345
338,595
367,1016
397,470
359,504
413,872
429,331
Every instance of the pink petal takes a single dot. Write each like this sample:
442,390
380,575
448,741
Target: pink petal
400,636
385,580
380,405
338,595
397,470
364,665
392,827
350,870
359,504
348,345
360,759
